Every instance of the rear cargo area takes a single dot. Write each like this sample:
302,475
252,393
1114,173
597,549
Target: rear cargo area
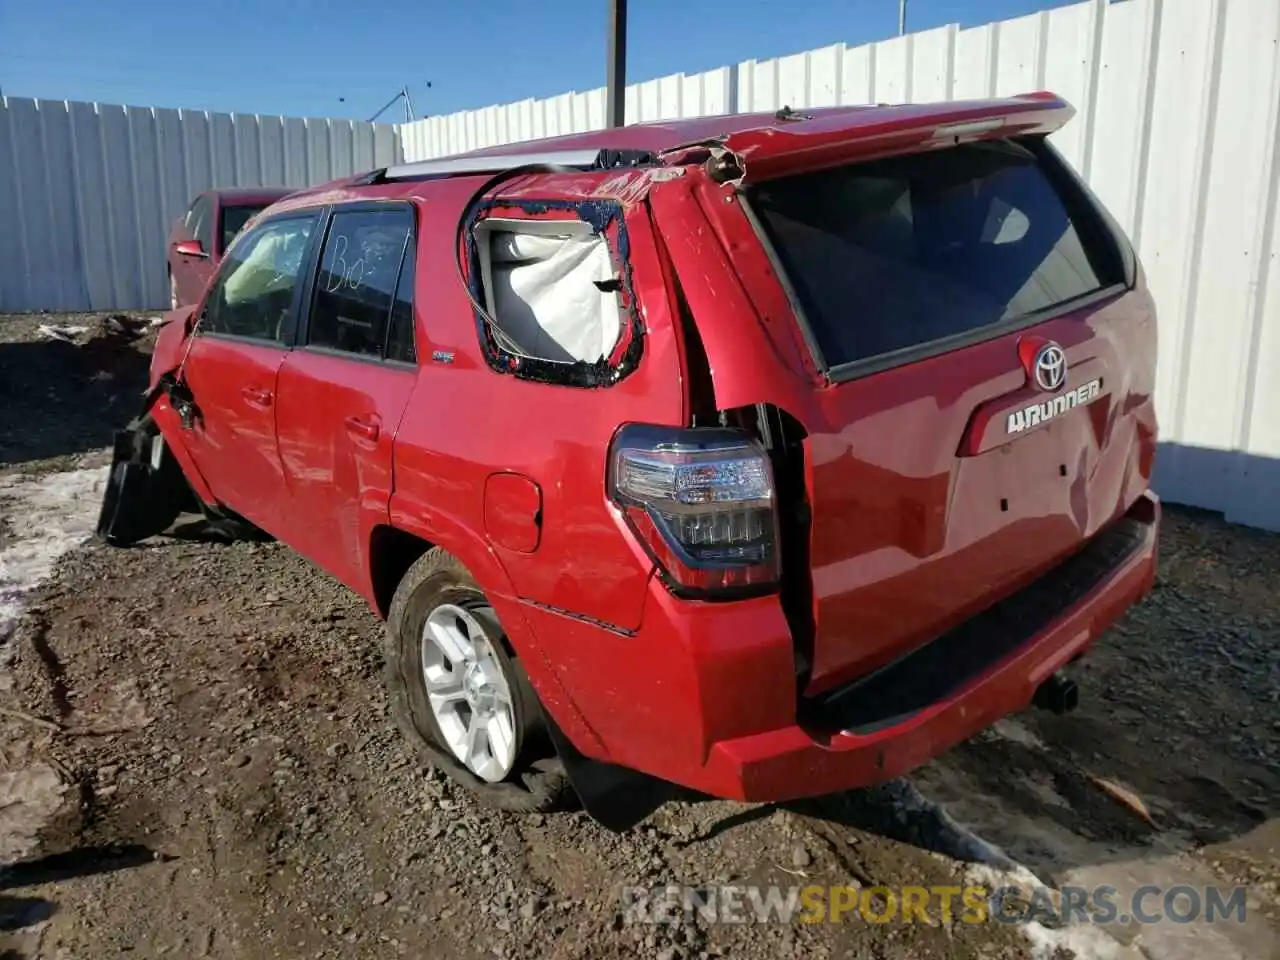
928,286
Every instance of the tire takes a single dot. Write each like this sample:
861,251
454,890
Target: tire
230,527
535,781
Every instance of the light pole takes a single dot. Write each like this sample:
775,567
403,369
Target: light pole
616,68
902,17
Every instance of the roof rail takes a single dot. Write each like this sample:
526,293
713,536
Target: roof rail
584,159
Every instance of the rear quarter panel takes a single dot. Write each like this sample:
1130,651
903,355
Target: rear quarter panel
467,422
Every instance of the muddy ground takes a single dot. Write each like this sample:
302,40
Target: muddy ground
222,780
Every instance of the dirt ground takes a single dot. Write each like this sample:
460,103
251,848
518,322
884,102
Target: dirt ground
205,724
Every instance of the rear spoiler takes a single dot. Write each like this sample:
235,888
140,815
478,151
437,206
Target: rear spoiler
798,143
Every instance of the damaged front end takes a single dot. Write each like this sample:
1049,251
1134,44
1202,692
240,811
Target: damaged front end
146,489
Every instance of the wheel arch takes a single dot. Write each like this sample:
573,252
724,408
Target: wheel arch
392,551
420,528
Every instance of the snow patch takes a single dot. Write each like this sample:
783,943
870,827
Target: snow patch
991,867
43,518
1083,941
64,332
1011,729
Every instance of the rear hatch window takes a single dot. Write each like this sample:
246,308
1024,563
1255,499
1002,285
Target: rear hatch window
949,246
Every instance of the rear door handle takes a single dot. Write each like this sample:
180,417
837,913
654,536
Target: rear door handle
363,428
258,396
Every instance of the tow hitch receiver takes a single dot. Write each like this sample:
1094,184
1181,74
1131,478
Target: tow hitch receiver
1058,694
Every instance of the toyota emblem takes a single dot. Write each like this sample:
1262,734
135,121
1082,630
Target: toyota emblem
1050,367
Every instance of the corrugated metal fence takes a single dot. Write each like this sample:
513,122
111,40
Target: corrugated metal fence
87,191
1178,131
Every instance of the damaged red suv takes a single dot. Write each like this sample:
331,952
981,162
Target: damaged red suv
763,456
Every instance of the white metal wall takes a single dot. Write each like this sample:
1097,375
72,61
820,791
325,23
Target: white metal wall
88,191
1178,131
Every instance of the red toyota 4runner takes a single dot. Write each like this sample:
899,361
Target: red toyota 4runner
765,456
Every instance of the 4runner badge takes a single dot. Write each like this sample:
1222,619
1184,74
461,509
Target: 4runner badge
1038,413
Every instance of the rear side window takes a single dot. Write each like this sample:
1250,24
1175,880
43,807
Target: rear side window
897,253
550,287
359,275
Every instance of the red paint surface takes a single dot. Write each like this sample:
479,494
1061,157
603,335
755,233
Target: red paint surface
513,512
923,513
714,674
909,539
840,137
336,421
787,762
233,442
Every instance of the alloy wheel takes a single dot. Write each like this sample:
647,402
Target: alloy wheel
468,689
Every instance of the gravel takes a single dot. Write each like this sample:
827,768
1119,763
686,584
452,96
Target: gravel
255,799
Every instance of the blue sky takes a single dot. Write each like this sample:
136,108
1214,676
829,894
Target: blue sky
348,58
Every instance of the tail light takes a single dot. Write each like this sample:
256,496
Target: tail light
702,502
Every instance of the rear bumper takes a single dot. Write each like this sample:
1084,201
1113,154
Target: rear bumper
789,763
703,694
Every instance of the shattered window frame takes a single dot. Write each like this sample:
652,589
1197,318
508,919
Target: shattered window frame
606,219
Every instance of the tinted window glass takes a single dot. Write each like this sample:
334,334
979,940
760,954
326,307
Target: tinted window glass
909,250
400,345
234,219
253,294
359,269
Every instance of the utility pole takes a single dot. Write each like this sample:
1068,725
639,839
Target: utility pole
616,71
902,17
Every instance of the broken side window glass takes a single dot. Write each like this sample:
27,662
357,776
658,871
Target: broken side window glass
550,287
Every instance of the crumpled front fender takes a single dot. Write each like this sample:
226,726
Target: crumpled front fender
146,489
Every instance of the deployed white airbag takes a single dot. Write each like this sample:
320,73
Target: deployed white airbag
542,290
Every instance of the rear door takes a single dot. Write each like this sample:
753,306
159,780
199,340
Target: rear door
244,332
343,390
945,295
